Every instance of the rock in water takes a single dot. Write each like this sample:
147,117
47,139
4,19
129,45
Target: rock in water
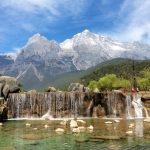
60,130
73,124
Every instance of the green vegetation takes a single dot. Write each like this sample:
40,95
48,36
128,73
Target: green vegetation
110,82
118,73
122,68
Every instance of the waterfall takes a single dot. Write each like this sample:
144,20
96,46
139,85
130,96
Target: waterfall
63,104
89,108
128,108
112,104
137,106
146,112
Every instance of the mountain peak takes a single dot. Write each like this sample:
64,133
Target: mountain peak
36,37
86,31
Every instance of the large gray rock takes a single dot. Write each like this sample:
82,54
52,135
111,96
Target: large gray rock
5,91
1,87
51,89
11,81
7,85
77,87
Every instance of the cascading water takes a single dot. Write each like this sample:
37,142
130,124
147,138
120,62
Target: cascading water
115,102
136,102
128,108
64,104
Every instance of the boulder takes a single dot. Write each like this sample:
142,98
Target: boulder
7,85
51,89
3,111
5,91
77,87
1,88
11,81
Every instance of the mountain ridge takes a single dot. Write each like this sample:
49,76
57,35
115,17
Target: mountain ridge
41,58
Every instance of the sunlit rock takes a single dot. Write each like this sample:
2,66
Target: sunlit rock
46,126
28,124
60,130
90,127
108,122
76,130
117,121
129,132
81,121
35,128
73,124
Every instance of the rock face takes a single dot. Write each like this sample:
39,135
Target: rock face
38,60
7,85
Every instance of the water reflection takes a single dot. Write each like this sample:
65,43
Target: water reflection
139,128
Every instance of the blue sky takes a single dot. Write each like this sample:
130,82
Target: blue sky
124,20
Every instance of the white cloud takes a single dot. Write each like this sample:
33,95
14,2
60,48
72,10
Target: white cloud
52,6
26,14
135,25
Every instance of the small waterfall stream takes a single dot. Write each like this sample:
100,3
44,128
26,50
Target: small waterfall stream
128,109
136,102
116,104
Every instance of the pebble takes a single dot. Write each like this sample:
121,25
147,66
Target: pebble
46,126
108,122
28,124
117,121
90,127
129,132
59,130
81,121
75,130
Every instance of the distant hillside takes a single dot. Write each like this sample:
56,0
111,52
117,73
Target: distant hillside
123,68
119,66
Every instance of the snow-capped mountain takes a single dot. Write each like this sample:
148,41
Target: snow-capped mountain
89,49
41,58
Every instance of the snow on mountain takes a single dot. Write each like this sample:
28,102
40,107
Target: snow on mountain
9,55
89,49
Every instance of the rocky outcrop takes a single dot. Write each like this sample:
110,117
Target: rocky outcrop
3,110
77,87
51,89
7,85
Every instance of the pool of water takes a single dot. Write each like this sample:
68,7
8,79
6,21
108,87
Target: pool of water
15,135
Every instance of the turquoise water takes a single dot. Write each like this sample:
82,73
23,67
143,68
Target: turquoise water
15,135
